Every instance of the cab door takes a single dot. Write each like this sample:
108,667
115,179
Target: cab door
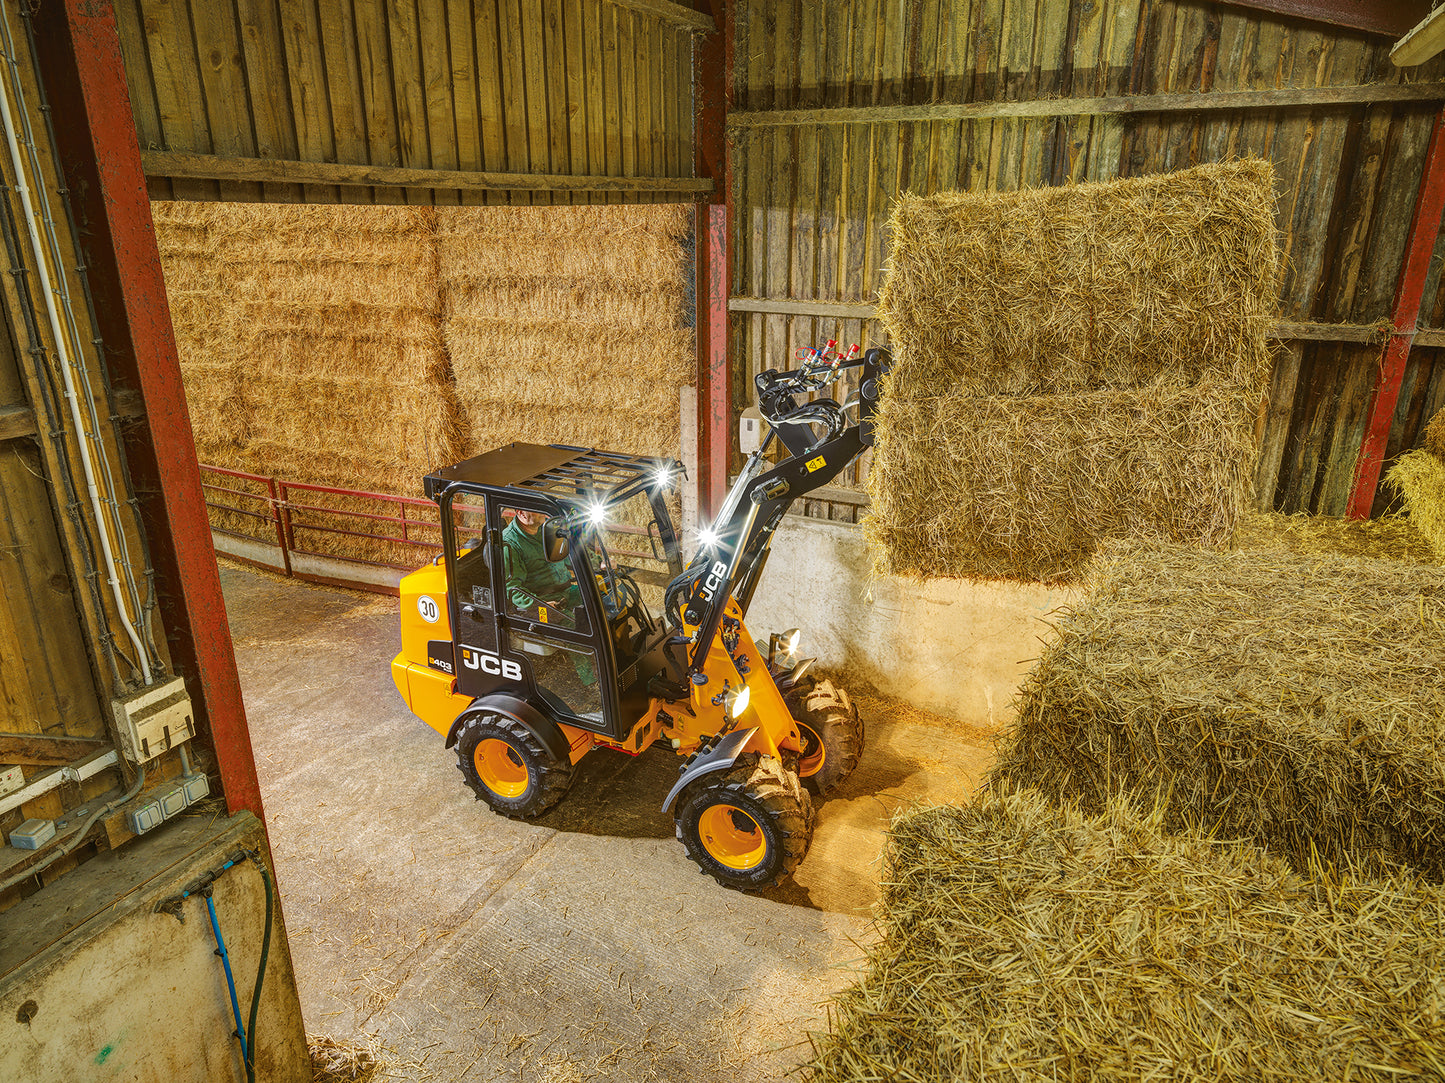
472,595
548,620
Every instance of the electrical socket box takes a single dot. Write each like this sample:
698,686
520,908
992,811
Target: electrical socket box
143,818
197,786
152,721
11,779
172,799
32,834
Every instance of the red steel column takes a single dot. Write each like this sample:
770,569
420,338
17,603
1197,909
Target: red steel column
1404,316
81,64
712,61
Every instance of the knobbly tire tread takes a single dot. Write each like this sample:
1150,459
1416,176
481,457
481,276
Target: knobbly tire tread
551,778
830,713
771,788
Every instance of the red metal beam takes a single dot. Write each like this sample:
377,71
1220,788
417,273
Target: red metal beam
80,61
1404,316
712,60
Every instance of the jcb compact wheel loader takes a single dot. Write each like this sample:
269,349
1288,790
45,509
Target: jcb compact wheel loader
529,642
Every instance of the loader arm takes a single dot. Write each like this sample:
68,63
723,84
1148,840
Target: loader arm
743,531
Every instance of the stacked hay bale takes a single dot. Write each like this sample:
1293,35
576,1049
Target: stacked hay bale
566,324
1419,478
1292,698
1071,364
1023,942
311,349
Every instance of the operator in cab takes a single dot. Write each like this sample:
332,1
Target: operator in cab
542,587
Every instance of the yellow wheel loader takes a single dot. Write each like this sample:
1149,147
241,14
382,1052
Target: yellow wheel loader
559,619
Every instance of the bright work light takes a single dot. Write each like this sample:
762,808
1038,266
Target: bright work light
740,701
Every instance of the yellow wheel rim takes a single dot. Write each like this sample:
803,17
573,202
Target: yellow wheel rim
500,768
732,837
810,760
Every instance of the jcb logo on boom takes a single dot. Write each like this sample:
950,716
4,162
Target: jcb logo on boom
490,663
715,577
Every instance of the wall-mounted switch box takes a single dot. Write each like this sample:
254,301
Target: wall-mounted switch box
197,786
750,430
152,721
142,819
32,834
172,799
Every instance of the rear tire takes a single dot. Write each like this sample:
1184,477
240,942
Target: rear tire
508,767
832,733
747,827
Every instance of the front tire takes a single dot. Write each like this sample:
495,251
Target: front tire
508,768
832,733
747,827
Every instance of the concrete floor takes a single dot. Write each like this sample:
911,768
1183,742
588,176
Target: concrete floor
581,946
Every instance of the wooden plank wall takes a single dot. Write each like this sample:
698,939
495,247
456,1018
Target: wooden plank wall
811,199
554,87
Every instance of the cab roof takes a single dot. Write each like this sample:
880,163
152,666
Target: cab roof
572,476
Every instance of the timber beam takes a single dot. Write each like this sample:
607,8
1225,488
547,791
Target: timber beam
159,164
1193,102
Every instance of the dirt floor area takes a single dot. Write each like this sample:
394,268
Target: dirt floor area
580,946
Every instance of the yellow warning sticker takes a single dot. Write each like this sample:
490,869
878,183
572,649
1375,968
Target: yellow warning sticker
816,464
542,613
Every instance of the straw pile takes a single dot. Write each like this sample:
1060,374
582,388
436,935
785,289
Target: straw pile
566,324
1022,942
1295,699
1389,537
1071,364
1419,478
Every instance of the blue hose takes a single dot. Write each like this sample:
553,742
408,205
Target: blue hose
231,985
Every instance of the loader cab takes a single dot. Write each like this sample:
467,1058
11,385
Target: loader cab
555,561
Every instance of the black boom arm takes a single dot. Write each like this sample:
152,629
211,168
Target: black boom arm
821,440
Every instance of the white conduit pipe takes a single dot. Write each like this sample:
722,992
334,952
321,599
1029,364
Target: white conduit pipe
71,398
62,290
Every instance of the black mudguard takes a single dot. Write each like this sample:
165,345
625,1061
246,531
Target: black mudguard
718,758
540,726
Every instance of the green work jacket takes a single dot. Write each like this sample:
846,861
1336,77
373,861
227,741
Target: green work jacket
531,577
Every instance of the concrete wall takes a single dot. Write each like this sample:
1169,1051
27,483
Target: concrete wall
953,647
131,994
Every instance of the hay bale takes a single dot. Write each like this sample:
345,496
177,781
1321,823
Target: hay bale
1022,942
1024,487
566,324
1419,478
1039,336
1297,700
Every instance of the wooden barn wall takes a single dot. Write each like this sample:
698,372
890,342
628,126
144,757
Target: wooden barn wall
811,199
553,87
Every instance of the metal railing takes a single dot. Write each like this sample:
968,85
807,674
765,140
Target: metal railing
288,511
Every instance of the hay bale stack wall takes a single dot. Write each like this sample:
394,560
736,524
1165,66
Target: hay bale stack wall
1294,698
1072,364
1418,478
1023,942
363,347
565,325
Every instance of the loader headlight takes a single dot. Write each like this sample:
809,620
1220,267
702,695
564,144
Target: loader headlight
663,477
706,538
596,514
740,702
781,645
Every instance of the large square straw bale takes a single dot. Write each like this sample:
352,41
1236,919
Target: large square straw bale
1023,487
1297,699
566,324
1024,942
1039,314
